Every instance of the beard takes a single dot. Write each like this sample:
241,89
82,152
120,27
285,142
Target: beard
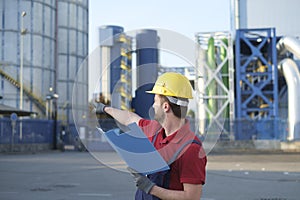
159,115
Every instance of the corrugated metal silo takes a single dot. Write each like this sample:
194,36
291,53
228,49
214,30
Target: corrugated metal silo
33,50
51,52
72,49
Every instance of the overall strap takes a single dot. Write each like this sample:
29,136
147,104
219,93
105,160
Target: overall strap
176,154
155,136
174,157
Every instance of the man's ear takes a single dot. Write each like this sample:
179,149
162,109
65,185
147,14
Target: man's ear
166,106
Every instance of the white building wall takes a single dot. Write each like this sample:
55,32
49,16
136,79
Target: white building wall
283,15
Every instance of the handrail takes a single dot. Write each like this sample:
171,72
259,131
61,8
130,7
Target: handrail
35,99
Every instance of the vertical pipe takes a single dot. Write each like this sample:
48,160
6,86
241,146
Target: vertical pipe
21,61
236,14
200,89
22,33
55,74
105,74
233,17
292,77
212,86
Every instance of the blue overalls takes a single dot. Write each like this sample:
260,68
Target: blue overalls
162,178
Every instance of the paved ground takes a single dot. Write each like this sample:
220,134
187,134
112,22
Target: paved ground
78,175
253,176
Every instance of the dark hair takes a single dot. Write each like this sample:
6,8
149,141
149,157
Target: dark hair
179,111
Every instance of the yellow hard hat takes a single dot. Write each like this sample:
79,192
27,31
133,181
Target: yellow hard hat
174,85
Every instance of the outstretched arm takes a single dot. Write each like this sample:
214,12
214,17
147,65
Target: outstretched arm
125,117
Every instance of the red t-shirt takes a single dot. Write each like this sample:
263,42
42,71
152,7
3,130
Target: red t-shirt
189,167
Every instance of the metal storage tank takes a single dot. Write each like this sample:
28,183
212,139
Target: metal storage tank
147,56
50,52
32,52
147,70
72,49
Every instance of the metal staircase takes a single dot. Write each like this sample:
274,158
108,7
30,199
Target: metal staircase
39,102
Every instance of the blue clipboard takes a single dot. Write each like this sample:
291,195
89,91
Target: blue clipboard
136,150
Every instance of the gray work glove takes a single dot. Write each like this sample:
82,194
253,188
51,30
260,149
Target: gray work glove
99,107
142,182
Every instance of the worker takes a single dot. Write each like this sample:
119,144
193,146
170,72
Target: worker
171,135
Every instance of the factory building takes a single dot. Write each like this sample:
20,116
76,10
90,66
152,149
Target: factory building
243,78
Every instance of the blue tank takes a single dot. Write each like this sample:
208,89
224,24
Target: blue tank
147,57
147,70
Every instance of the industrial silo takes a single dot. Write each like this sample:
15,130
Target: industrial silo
147,60
27,53
147,56
72,49
43,44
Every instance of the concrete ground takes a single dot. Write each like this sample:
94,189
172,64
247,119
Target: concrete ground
79,175
253,176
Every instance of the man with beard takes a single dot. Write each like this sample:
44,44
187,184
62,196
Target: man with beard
171,135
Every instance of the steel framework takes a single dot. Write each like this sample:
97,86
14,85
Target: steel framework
256,82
